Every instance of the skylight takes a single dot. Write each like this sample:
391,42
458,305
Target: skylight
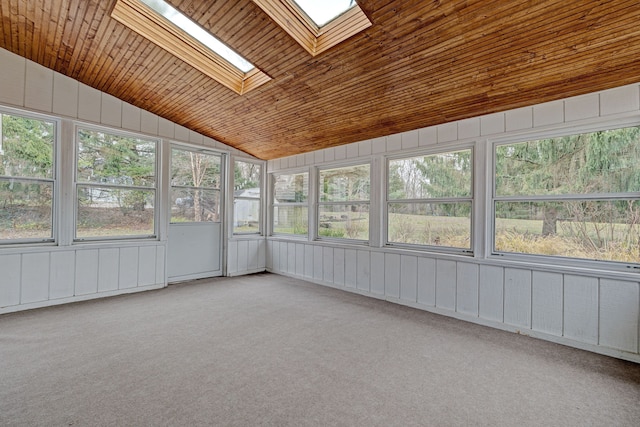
317,25
194,30
324,11
177,34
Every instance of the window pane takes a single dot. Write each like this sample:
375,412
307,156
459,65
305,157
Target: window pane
345,184
195,169
247,176
435,176
597,162
195,205
292,188
115,160
104,212
435,224
345,221
598,230
290,220
25,210
246,216
26,147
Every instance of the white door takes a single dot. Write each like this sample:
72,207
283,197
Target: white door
195,228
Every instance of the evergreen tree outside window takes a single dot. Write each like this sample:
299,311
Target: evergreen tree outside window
430,200
343,202
290,208
27,179
247,208
575,196
116,184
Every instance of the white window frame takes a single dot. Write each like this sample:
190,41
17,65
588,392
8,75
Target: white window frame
232,174
470,199
155,188
318,203
578,264
54,180
272,205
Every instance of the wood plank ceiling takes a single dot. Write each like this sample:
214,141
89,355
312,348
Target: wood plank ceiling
422,63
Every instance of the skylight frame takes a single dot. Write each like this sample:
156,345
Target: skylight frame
309,14
301,27
145,21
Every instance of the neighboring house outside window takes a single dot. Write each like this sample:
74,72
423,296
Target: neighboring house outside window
247,209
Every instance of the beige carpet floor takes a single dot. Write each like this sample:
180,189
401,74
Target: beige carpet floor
273,351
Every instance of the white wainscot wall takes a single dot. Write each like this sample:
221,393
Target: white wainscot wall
246,255
39,277
594,313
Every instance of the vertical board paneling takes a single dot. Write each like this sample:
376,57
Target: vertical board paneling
491,298
581,308
284,257
299,259
619,314
409,278
160,261
35,277
10,266
292,256
327,261
38,90
128,277
275,256
65,95
467,288
232,257
89,103
243,256
546,302
338,266
317,262
252,260
392,275
270,255
146,266
446,284
517,297
108,264
377,273
308,261
62,274
363,274
427,281
350,268
12,78
87,271
262,254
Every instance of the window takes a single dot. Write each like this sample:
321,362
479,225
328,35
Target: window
343,205
317,26
573,196
115,186
290,204
429,200
27,179
195,186
162,24
247,182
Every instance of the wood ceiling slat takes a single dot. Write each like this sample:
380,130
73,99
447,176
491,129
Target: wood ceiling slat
421,63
